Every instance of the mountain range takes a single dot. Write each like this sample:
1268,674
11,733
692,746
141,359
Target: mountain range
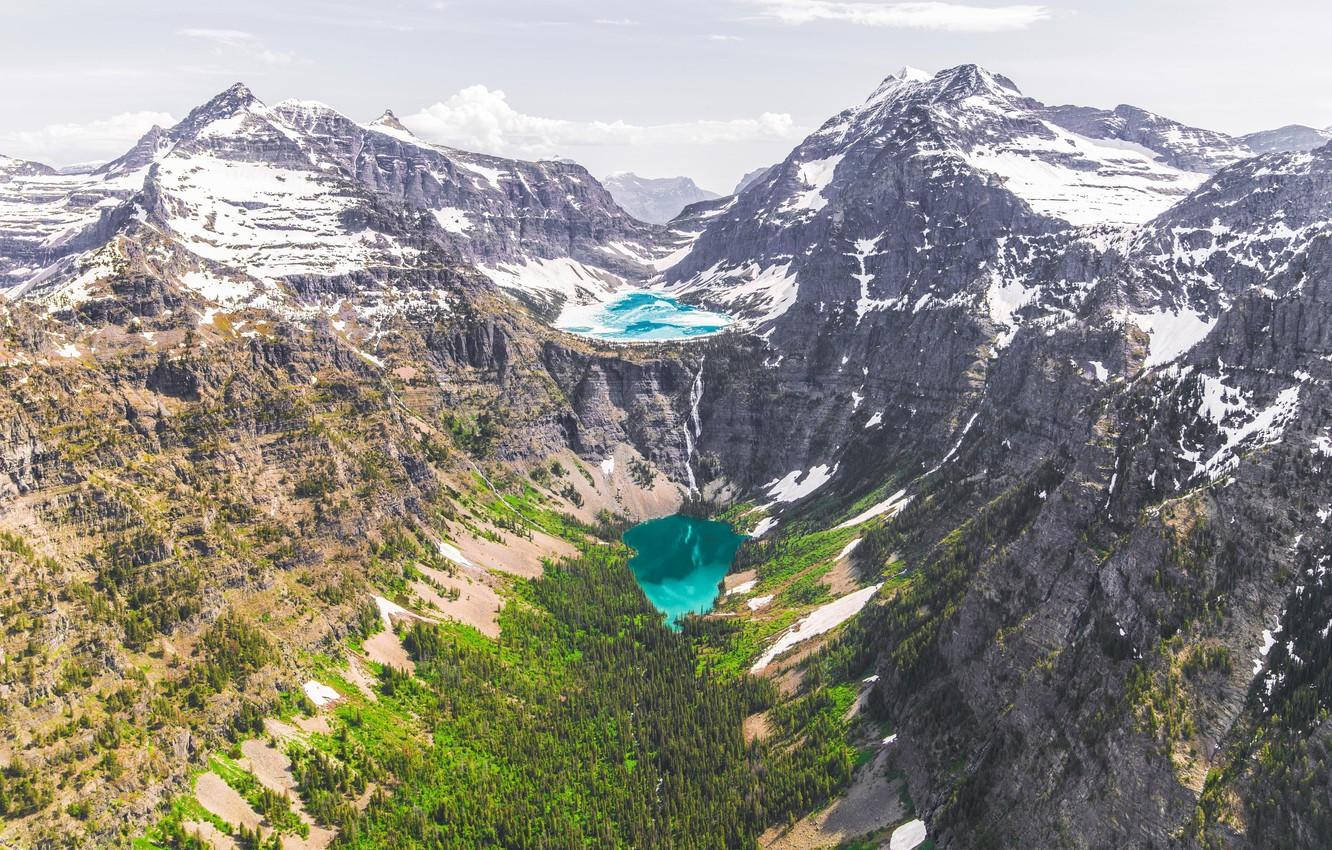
654,199
1042,392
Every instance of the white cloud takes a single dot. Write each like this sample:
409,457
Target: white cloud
724,38
61,144
481,119
239,44
924,15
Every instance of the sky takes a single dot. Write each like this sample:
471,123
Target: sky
711,89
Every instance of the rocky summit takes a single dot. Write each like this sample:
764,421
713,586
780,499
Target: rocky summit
313,520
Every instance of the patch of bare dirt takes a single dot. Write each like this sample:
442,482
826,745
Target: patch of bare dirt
319,839
731,581
273,770
513,554
317,723
212,836
361,678
617,491
786,671
281,731
477,603
843,578
757,727
384,647
215,795
269,765
871,803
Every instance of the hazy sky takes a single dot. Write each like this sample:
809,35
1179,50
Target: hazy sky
708,88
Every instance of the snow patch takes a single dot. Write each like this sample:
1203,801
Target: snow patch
793,487
1268,642
890,505
491,175
452,219
822,619
1171,333
815,175
758,602
320,694
1084,181
743,587
563,278
908,836
448,550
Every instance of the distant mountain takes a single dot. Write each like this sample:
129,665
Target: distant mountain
1292,137
11,167
654,199
749,179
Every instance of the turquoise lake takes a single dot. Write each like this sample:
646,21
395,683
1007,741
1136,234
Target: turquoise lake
679,562
640,315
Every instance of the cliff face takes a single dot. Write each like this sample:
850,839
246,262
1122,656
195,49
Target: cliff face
1112,438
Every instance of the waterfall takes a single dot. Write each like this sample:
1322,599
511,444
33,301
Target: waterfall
693,427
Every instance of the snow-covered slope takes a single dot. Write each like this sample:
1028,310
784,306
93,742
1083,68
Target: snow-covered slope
886,181
871,209
1187,148
257,201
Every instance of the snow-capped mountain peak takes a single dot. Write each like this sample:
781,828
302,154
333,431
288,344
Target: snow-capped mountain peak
228,104
909,74
892,170
389,122
254,202
145,151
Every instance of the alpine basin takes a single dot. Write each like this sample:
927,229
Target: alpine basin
679,562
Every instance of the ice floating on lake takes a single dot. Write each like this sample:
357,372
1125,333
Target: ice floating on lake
638,315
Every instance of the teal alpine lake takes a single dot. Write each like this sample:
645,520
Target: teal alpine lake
680,561
639,315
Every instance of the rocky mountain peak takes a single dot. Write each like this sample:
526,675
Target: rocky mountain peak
972,80
231,100
230,103
389,120
149,146
985,97
909,74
